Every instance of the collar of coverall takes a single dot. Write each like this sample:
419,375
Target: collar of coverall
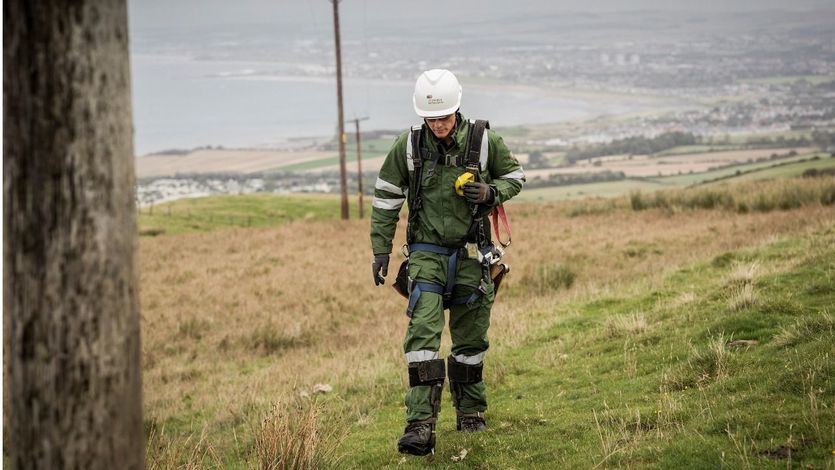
459,136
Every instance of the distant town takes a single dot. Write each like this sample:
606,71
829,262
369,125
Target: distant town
732,77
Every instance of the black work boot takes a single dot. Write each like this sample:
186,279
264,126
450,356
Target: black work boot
418,439
471,422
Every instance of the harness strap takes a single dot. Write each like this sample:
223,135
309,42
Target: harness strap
414,199
441,158
420,287
473,151
444,291
452,264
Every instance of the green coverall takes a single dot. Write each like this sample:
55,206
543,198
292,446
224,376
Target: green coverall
444,219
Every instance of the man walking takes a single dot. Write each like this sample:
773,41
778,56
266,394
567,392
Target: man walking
453,172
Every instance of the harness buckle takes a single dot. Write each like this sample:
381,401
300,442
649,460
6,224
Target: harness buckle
482,287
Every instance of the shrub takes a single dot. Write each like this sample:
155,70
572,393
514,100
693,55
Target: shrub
553,277
637,201
625,325
828,195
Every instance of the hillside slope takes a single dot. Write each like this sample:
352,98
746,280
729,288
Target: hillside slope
726,363
610,344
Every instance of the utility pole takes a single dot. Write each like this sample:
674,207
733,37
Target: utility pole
340,119
359,162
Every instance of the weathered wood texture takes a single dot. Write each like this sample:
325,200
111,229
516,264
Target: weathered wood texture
70,310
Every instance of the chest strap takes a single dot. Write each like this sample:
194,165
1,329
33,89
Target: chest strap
442,159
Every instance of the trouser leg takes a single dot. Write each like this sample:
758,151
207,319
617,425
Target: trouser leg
423,340
468,326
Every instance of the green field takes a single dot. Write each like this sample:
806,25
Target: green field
259,210
786,167
652,377
696,178
578,191
788,171
688,149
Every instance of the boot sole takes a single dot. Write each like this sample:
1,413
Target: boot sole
411,450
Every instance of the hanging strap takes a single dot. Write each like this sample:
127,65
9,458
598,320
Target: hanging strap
499,214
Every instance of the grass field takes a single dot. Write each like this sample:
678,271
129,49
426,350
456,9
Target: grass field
233,211
577,191
696,178
787,167
632,363
788,171
688,149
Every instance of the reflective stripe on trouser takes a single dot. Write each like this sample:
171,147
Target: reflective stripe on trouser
468,324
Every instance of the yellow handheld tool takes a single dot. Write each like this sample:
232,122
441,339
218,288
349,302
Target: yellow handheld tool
461,181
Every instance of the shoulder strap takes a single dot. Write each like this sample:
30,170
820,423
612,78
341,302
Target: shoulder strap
416,162
473,150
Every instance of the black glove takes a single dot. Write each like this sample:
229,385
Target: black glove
479,193
381,262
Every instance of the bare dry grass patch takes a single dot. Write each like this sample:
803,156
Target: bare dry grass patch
292,437
625,325
742,297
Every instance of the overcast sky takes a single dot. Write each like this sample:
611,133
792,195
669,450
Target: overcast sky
165,13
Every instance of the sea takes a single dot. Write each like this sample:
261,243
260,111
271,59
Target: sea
184,102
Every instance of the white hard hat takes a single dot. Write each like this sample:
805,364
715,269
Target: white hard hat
437,93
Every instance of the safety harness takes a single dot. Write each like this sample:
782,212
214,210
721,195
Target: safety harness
418,287
476,233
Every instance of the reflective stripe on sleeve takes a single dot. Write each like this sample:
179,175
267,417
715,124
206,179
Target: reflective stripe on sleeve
388,204
469,360
420,356
386,186
514,175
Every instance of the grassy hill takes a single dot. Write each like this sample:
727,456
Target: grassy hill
726,362
206,214
615,342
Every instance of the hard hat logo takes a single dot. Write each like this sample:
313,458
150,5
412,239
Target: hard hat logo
437,93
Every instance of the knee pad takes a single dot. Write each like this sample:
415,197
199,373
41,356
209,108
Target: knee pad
431,372
461,373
